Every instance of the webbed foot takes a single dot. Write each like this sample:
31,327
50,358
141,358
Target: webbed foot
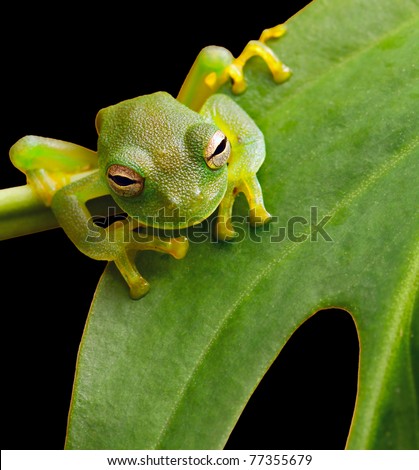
126,255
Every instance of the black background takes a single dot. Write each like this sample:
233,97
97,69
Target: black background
59,68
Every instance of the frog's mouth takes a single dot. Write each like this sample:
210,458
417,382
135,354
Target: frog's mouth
174,216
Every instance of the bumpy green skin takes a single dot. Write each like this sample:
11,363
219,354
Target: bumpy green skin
165,142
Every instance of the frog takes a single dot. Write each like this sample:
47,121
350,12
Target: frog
167,163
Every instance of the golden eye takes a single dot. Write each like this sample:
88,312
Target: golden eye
125,181
217,151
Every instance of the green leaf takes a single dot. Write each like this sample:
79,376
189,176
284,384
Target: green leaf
175,369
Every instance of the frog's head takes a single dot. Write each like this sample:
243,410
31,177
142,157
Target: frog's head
163,162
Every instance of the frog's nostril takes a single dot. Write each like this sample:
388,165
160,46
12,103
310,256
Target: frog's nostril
198,194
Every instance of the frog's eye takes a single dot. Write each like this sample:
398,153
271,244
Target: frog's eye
125,181
217,151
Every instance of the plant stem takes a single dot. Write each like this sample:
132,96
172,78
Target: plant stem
22,212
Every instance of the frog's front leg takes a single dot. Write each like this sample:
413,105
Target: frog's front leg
50,164
247,155
118,242
135,242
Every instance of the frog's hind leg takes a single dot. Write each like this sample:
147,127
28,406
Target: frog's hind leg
224,228
258,215
280,72
50,164
215,66
250,187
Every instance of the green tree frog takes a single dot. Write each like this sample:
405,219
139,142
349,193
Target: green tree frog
167,163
